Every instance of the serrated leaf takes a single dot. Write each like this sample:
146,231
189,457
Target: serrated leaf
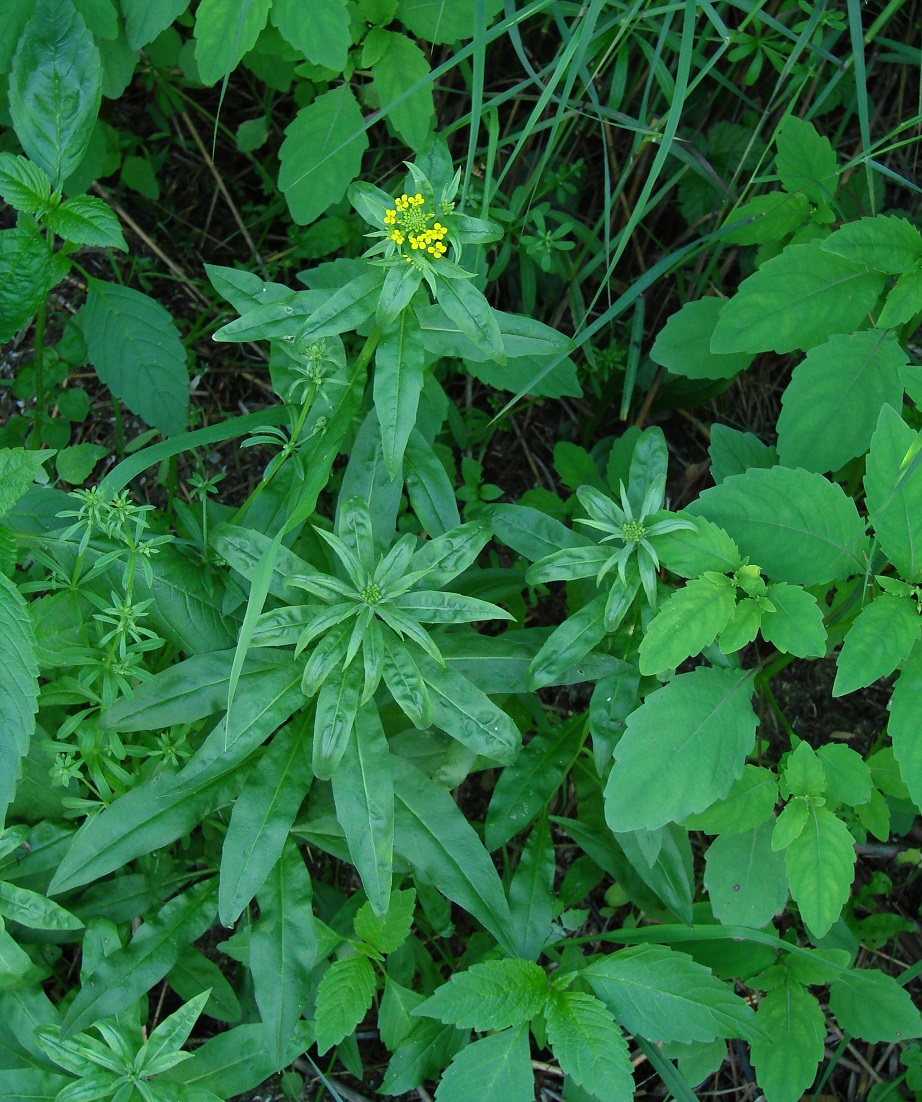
344,997
885,242
18,688
263,814
86,220
690,552
224,31
798,526
904,301
893,489
689,621
588,1045
795,301
663,995
55,88
498,1068
283,950
401,64
786,1060
18,470
390,930
883,634
903,726
126,974
27,277
749,802
805,161
435,838
23,184
146,19
135,348
320,31
843,382
873,1006
820,864
795,626
495,994
688,742
683,344
322,153
733,452
745,878
848,779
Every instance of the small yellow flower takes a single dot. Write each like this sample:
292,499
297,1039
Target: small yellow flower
412,223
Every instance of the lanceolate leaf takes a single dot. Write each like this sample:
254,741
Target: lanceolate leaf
283,950
570,643
435,838
262,816
820,864
399,362
363,789
467,307
134,346
688,742
18,688
55,88
588,1045
666,996
787,1058
127,974
525,786
531,891
797,526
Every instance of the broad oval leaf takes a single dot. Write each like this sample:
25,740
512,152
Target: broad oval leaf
787,1057
745,878
689,621
795,524
224,31
883,634
135,347
820,864
874,1006
497,1067
687,743
893,489
903,726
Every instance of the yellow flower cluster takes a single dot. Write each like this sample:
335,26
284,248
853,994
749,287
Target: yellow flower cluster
411,224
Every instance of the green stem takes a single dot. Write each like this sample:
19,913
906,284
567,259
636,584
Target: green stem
38,363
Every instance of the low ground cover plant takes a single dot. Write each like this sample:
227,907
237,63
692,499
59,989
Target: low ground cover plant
338,752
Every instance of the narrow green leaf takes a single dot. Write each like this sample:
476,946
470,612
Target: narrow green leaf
688,741
531,891
467,307
283,950
135,347
399,376
334,718
18,688
903,726
34,911
126,974
262,816
435,838
363,791
55,88
570,643
525,787
431,491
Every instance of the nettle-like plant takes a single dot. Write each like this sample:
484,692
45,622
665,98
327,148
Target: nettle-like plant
314,720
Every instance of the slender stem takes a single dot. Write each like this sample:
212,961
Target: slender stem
38,364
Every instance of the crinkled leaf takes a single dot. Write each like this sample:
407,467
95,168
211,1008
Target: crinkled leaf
588,1045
